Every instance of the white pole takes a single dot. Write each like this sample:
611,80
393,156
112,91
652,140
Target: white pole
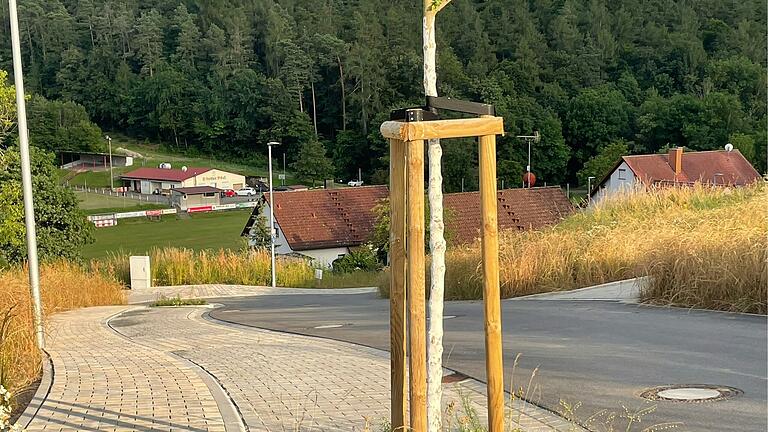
111,175
26,179
282,182
272,216
589,189
529,163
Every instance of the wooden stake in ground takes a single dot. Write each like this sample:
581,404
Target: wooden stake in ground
416,295
397,300
491,294
436,230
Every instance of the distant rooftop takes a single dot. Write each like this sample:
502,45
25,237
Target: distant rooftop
147,173
518,209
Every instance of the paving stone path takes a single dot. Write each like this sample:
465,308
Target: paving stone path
167,369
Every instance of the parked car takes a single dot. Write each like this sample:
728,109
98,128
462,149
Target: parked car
246,191
355,183
229,193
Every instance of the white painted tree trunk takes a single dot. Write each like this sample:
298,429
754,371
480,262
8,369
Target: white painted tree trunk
436,241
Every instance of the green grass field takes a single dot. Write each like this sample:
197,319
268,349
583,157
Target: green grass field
93,203
217,230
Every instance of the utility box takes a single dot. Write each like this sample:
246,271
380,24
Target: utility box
141,276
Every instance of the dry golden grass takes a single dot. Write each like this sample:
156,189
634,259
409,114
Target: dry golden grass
175,266
64,286
703,247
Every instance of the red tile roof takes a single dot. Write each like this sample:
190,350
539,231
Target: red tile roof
730,168
518,209
326,218
196,190
146,173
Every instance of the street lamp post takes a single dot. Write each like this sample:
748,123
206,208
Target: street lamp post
272,213
26,179
111,175
589,189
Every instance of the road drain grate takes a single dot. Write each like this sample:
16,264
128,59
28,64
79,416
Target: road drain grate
690,393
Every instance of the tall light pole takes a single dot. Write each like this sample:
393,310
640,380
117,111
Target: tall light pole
272,213
589,189
282,181
111,176
26,179
536,137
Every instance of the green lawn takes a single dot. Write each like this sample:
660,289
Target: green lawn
93,203
216,230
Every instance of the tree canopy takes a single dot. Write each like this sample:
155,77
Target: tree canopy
227,77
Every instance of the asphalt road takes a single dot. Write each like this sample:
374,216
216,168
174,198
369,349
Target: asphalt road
602,354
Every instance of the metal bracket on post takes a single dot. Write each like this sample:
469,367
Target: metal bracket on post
429,111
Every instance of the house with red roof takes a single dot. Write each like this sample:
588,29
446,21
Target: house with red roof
324,224
519,209
148,180
677,167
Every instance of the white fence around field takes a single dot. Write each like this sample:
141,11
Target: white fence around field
100,220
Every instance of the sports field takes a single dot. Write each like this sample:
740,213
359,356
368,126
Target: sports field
216,230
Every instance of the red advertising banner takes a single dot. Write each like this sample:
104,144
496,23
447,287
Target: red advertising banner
199,209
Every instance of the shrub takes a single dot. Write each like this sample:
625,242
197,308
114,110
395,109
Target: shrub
361,258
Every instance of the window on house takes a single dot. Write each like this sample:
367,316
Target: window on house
209,194
622,174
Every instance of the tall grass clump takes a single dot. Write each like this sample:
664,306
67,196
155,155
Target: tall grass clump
702,247
180,266
64,286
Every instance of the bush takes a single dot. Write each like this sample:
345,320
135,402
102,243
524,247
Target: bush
361,258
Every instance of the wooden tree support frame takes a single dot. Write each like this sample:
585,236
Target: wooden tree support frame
407,263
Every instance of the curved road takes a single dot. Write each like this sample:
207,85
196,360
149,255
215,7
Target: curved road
600,353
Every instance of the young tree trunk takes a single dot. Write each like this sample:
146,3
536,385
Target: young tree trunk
343,96
436,237
314,108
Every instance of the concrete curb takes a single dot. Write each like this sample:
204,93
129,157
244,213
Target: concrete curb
41,394
625,291
145,296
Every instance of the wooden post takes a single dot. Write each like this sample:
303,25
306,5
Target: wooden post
397,300
416,295
491,294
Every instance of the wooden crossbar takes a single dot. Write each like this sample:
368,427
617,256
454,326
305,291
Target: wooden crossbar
457,128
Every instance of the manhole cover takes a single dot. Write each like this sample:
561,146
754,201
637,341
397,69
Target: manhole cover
690,393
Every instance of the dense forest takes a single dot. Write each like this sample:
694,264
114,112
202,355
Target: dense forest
596,77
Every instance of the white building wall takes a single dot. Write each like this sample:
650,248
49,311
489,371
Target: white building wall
218,179
321,257
621,179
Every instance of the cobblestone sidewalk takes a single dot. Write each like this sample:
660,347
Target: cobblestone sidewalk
167,369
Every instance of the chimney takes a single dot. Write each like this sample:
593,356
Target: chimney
675,159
